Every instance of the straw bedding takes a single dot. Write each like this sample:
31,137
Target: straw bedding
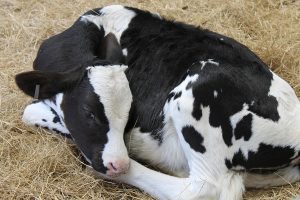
37,165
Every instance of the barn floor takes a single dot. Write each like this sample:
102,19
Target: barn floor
37,165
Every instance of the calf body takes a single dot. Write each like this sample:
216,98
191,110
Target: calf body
205,108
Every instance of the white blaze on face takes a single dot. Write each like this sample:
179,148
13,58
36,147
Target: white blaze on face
112,87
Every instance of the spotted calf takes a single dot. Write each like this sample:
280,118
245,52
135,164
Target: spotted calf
205,109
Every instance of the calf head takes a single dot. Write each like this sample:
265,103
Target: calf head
95,104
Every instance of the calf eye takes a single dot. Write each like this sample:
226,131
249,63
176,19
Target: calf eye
92,116
88,113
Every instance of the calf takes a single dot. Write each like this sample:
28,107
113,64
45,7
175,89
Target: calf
205,109
80,91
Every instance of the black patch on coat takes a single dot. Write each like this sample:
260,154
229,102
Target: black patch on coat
34,101
69,136
267,156
177,95
244,128
228,163
44,120
52,99
266,108
56,118
173,95
170,96
197,112
189,85
45,127
193,138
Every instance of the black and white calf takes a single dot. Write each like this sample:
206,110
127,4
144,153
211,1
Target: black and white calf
205,109
80,92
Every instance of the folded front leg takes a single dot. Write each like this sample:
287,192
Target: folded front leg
164,187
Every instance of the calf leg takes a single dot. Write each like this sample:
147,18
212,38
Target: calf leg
162,186
205,150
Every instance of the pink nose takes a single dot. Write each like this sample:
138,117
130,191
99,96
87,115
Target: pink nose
117,167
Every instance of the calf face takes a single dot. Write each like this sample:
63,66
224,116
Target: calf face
94,107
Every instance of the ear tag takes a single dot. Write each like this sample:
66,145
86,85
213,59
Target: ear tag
36,92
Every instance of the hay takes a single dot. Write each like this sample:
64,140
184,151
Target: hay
36,165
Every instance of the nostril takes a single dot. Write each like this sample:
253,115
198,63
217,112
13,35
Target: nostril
113,167
117,167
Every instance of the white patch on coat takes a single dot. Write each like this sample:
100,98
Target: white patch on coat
157,15
114,19
112,87
210,61
125,52
182,86
215,94
40,114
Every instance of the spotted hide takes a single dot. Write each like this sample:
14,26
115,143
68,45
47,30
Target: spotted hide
205,109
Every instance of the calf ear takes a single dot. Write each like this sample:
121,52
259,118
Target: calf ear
111,50
49,83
